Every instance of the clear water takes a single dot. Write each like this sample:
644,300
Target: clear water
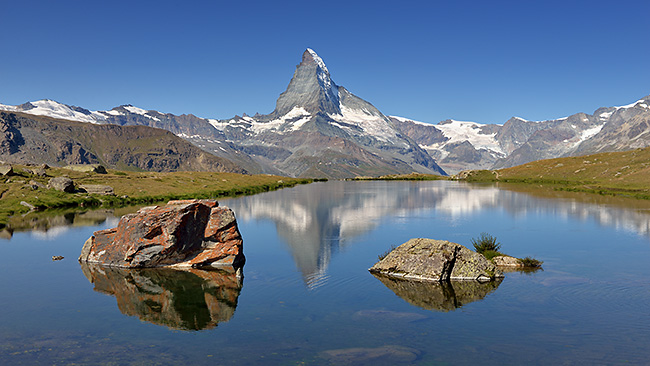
307,297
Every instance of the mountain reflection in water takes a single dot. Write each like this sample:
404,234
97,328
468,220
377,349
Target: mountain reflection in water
188,299
439,296
317,219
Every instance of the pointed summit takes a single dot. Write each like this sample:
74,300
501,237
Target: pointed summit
311,88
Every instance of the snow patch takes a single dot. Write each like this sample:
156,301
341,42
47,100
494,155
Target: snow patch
8,108
372,124
459,131
54,109
590,132
319,61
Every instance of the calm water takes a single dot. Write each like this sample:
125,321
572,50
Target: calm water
307,297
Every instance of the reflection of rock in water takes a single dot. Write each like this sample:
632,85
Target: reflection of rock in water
440,296
180,299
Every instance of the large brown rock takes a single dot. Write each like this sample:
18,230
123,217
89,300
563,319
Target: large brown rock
436,260
190,233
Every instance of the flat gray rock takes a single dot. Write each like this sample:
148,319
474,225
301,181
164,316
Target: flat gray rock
436,260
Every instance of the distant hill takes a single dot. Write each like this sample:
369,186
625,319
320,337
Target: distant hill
26,138
620,173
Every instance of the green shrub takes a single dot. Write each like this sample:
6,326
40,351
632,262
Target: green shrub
486,242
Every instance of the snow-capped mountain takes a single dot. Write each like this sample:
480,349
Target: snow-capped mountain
469,145
320,129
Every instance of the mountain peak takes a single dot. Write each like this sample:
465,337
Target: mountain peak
311,56
310,88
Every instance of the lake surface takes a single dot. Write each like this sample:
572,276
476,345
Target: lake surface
307,298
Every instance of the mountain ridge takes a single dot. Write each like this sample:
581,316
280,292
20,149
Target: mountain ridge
26,138
317,124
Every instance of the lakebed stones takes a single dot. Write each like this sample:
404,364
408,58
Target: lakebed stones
384,355
188,233
63,184
436,260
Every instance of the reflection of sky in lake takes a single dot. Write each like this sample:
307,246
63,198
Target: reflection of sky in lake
318,219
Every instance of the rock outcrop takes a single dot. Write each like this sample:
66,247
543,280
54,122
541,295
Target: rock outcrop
436,260
189,233
98,189
87,168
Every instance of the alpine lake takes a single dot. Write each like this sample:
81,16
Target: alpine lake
307,298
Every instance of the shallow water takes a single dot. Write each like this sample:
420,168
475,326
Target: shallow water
307,297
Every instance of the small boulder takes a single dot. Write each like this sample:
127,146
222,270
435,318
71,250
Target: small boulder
34,185
189,233
38,171
6,170
88,168
98,189
436,260
64,184
507,261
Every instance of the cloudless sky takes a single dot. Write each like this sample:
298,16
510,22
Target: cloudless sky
483,61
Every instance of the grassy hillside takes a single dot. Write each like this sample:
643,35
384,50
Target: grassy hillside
617,173
129,187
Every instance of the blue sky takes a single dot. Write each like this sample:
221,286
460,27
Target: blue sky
483,61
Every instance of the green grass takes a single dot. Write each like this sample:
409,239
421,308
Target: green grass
487,245
625,173
531,262
131,188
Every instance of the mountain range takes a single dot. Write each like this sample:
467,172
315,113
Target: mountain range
320,129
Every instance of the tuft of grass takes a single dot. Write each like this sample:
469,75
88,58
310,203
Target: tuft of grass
531,262
486,242
386,253
489,254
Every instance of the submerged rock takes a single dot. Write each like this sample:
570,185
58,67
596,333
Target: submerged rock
436,260
189,233
384,355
